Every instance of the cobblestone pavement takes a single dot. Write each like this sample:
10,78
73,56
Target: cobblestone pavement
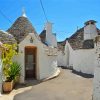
67,86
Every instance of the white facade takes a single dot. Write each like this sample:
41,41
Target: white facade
50,37
61,59
66,58
90,31
81,60
46,64
69,55
96,82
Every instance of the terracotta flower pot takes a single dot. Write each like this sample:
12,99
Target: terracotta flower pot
8,86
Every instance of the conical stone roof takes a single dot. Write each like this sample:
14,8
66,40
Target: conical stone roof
21,28
6,38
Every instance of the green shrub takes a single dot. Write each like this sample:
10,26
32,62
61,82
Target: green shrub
13,71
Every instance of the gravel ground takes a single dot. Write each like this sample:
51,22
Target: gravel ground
67,86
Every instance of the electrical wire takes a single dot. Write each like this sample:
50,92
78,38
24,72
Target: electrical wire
43,10
5,17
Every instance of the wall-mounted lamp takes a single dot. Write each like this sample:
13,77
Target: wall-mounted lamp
31,40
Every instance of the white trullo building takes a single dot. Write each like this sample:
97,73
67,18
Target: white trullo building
37,54
78,50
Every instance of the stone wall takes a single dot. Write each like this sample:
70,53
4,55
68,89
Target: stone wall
96,82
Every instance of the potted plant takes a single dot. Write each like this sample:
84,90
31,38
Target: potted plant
10,68
11,75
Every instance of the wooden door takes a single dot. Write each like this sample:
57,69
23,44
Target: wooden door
30,62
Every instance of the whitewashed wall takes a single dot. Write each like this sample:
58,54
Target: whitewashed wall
96,84
46,65
65,58
96,81
83,60
61,59
69,55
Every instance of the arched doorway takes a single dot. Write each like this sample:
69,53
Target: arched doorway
30,62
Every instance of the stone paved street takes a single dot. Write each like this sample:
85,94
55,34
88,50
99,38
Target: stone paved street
67,86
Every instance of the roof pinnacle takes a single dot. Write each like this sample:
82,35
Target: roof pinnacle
23,13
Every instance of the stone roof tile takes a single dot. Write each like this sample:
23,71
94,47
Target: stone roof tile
77,41
6,37
21,28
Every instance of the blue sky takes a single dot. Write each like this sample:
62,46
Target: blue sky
65,15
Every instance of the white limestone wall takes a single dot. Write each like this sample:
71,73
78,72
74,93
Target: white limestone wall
96,81
50,37
80,60
83,60
96,84
90,32
61,59
68,55
66,58
46,65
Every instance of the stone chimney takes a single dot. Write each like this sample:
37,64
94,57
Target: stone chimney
50,37
90,30
48,28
